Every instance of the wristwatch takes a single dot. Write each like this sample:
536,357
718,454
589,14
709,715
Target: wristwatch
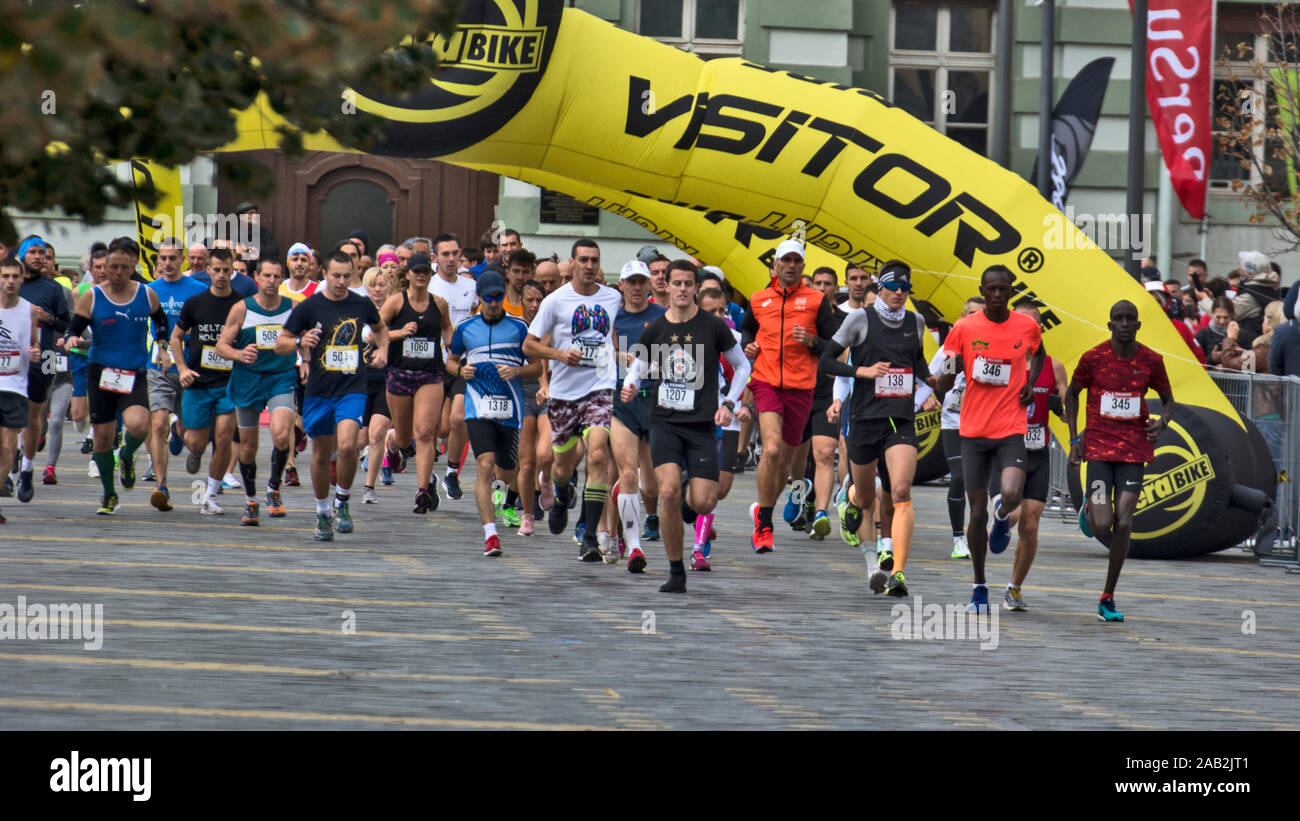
729,405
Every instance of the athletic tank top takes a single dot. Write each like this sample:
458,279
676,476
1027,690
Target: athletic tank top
890,396
121,331
422,351
1036,436
15,339
261,328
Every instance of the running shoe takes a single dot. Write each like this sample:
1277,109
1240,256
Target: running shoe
557,518
192,462
842,495
1106,610
250,514
49,478
885,559
161,499
107,504
589,552
1000,534
211,508
574,496
231,482
451,482
150,475
761,540
87,447
342,518
526,527
979,600
1013,601
650,530
960,549
547,493
809,513
492,546
8,488
708,546
274,507
92,472
793,506
850,523
699,563
291,477
2,517
510,517
877,579
175,444
324,530
636,561
622,547
579,532
299,440
25,489
424,502
897,586
1083,521
608,547
126,467
821,526
368,496
386,475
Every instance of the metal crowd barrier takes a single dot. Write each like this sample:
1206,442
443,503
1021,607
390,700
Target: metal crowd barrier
1273,404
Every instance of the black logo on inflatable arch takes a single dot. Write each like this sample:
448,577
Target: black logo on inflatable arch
489,69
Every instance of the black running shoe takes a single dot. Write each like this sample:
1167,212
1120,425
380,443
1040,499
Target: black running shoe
424,502
25,489
590,552
676,584
451,482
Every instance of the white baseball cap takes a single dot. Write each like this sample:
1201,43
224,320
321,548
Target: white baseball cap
715,270
788,247
635,268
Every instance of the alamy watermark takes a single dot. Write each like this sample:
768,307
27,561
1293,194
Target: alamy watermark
681,362
53,622
239,232
918,621
1110,232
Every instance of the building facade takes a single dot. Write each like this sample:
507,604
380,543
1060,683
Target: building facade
939,61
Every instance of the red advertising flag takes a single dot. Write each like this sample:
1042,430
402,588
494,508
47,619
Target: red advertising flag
1180,72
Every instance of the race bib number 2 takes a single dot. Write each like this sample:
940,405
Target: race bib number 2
116,380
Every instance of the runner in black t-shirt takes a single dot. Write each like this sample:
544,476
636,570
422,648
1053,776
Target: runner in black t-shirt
206,404
682,349
329,324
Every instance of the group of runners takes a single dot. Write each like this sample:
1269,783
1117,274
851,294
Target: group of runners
645,387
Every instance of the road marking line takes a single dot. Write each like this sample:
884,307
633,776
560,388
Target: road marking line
310,631
225,567
162,709
63,588
117,540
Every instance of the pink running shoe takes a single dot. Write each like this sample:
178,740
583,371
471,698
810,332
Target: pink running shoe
698,562
526,525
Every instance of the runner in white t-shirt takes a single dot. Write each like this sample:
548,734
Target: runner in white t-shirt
19,346
579,317
461,295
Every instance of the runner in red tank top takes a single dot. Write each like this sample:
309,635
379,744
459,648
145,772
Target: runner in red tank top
1119,437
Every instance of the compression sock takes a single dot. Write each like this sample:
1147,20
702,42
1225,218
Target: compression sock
629,511
106,465
248,472
593,503
278,460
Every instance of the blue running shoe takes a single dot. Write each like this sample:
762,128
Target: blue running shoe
821,526
386,475
579,532
793,507
1106,610
650,530
708,545
1083,521
1000,535
175,444
979,600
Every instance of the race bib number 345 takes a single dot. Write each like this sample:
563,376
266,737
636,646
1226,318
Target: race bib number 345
1121,405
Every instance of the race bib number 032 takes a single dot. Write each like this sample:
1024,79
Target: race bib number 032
1036,437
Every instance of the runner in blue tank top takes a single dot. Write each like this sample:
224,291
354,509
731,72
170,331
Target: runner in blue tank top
119,313
261,378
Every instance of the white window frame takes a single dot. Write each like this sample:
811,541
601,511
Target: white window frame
701,45
941,60
1241,69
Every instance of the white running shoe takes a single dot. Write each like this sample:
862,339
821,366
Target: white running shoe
368,497
960,550
231,482
211,508
608,547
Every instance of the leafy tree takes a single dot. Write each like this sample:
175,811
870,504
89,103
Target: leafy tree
84,84
1258,120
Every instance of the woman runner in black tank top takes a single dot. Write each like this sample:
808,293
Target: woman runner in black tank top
419,329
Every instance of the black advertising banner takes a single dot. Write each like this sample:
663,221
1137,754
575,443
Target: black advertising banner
1074,121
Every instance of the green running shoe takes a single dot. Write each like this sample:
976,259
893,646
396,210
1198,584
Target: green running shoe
498,498
107,505
1106,610
886,560
510,517
324,530
850,521
342,519
127,470
821,526
897,586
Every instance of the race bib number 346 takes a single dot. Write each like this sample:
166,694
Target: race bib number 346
995,372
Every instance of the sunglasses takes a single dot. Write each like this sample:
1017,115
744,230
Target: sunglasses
896,285
492,297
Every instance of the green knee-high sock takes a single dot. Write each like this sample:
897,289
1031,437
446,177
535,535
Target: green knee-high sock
106,467
131,445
